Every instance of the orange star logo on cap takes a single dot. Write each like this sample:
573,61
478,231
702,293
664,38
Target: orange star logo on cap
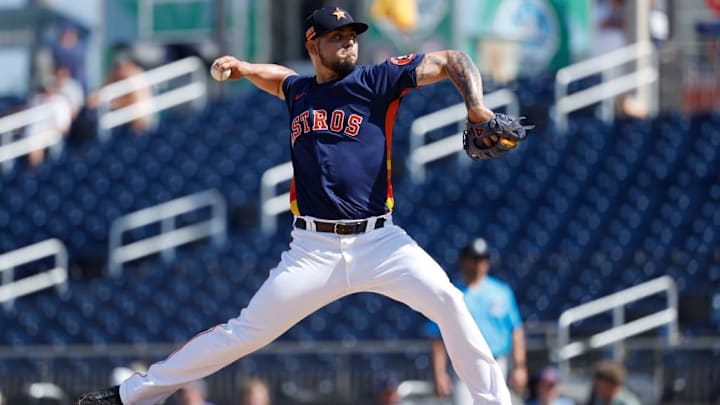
338,13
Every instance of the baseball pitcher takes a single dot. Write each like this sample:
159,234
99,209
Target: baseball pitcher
343,237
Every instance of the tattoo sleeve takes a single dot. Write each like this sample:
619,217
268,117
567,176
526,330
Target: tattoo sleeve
430,69
466,77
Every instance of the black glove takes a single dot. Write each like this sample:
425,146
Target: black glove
493,138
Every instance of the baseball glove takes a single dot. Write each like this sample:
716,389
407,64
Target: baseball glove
493,138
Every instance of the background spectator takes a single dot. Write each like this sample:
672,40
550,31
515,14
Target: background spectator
70,88
385,389
125,67
492,304
609,16
255,392
59,121
609,385
70,52
194,393
546,389
610,35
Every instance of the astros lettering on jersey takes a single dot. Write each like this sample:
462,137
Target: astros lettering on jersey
343,137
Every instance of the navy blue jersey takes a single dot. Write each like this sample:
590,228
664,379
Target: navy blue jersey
341,138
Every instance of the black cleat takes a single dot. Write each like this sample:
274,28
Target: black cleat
107,396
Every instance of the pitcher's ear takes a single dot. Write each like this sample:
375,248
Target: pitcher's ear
311,47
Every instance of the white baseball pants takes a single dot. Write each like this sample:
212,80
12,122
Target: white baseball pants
461,393
318,269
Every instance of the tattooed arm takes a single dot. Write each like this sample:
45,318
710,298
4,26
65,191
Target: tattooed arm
464,74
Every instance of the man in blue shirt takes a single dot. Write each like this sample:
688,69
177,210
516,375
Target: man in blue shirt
492,305
71,53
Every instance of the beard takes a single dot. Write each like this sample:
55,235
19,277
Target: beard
341,67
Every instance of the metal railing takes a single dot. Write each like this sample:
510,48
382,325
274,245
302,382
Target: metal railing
422,154
11,289
195,90
613,82
11,149
169,236
621,330
272,205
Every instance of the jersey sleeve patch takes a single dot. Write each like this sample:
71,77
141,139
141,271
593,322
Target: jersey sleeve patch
402,60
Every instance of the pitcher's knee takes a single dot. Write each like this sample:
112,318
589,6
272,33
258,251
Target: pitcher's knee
448,299
452,296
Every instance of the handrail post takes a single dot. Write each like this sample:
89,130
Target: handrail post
607,105
563,341
62,262
219,220
103,132
200,76
114,266
6,139
268,182
561,89
7,277
654,96
618,319
672,327
166,226
267,221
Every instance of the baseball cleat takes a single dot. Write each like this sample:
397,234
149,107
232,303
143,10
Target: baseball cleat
107,396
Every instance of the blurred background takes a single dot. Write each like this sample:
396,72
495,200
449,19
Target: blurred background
141,203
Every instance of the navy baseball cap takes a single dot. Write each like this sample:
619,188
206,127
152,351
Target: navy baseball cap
478,248
326,19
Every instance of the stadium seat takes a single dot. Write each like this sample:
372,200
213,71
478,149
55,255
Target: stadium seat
625,202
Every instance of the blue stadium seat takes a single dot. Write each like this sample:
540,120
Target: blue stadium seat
625,202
